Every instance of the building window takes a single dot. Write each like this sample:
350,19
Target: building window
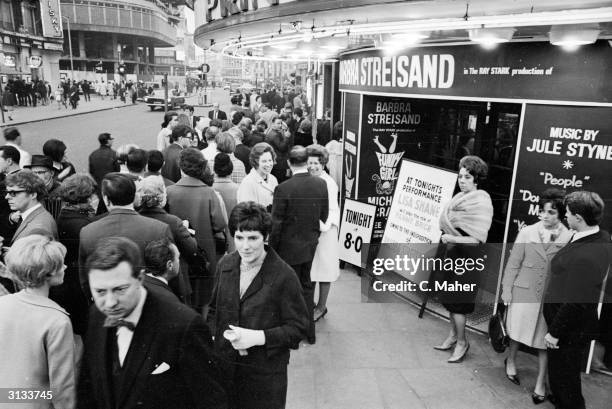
6,15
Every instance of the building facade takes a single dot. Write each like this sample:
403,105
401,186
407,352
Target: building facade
30,40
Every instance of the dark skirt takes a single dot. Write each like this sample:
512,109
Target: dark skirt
458,287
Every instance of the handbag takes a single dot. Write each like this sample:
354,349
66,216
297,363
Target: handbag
498,337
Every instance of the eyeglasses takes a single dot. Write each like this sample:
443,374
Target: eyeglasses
13,193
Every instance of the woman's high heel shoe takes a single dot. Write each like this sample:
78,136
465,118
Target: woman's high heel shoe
455,359
537,399
446,345
512,378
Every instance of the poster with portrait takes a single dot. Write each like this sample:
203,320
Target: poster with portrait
388,131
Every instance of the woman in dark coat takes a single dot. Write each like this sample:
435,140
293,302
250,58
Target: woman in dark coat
465,224
259,292
150,200
80,201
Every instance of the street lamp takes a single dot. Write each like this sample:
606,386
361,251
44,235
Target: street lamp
70,48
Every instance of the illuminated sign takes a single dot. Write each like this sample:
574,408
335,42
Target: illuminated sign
207,11
51,18
9,60
35,61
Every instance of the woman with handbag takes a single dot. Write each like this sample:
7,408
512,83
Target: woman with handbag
465,224
524,281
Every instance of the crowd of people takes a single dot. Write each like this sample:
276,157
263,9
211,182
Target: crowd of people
183,276
126,272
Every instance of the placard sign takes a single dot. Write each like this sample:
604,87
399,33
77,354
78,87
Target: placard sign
355,230
566,148
422,192
51,18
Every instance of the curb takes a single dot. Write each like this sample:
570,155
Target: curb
11,123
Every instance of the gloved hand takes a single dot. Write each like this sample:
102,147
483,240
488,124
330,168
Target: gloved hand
506,297
244,338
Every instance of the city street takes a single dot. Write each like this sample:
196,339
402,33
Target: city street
131,124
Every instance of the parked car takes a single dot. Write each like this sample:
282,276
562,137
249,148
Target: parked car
156,100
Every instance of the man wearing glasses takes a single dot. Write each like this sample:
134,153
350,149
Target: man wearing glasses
24,191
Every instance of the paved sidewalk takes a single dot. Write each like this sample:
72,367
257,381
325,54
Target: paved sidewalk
22,115
380,356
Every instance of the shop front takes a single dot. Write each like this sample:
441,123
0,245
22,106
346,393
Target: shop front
538,115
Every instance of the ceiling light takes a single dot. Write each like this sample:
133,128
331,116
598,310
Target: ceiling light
408,38
282,46
491,36
572,36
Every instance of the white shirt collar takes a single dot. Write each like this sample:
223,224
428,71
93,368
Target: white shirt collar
29,211
134,316
298,171
162,279
585,233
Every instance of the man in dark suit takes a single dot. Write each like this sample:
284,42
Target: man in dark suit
181,138
241,151
118,192
570,301
299,204
162,263
216,113
23,191
104,159
142,350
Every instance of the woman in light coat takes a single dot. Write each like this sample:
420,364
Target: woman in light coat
37,343
524,282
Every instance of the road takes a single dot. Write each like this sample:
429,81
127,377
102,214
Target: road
132,124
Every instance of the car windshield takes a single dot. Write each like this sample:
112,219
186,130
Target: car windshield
158,93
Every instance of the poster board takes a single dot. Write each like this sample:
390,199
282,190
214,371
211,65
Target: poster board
412,228
355,231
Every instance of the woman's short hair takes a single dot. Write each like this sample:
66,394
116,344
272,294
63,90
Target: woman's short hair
28,181
337,131
318,151
192,162
475,167
168,117
589,205
305,126
55,149
77,188
555,198
223,165
31,259
250,216
150,192
259,149
225,143
180,131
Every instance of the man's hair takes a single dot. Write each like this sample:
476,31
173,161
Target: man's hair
237,133
155,160
12,133
10,152
28,181
192,162
225,143
119,188
124,150
137,160
211,132
111,251
156,256
298,111
55,149
298,156
33,258
180,131
589,205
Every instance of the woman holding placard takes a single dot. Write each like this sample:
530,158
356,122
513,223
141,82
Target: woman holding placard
465,223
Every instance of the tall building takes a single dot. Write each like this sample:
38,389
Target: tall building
30,40
110,33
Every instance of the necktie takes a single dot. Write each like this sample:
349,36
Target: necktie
116,323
